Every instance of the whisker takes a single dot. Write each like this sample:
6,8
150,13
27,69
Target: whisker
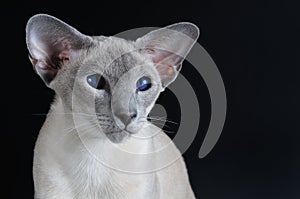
84,114
158,122
164,125
160,119
70,130
73,127
169,132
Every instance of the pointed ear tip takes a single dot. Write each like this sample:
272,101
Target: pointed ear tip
40,16
190,28
194,26
34,19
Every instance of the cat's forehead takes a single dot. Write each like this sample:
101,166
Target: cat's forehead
112,56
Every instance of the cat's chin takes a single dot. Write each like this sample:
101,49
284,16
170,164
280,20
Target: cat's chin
118,136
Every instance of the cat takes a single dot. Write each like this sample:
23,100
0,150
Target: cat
96,141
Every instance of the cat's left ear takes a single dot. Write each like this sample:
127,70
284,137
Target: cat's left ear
167,48
51,43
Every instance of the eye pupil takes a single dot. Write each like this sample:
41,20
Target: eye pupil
143,84
101,83
96,81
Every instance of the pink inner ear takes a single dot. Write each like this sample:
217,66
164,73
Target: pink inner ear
167,63
164,70
63,49
64,56
159,56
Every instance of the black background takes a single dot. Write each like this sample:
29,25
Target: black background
255,45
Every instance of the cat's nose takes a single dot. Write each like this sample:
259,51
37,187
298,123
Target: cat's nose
123,119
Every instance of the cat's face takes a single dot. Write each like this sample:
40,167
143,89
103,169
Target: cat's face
117,84
113,81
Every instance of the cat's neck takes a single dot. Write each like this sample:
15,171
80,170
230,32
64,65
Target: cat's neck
93,163
70,140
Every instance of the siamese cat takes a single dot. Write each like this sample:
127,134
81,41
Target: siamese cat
96,141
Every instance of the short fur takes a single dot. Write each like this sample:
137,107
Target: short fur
90,146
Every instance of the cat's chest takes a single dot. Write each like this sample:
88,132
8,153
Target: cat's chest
85,176
70,166
95,181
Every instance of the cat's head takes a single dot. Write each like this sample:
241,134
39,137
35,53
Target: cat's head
116,80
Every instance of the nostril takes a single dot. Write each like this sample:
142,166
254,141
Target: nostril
133,115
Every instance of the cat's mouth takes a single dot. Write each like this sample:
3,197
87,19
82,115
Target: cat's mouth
117,135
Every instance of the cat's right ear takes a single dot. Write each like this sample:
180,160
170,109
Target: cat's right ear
51,43
167,48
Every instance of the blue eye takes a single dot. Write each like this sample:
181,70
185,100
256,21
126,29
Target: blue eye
144,83
96,81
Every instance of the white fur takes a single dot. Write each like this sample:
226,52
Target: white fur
63,168
73,157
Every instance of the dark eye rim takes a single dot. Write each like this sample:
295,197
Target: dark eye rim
99,77
149,85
